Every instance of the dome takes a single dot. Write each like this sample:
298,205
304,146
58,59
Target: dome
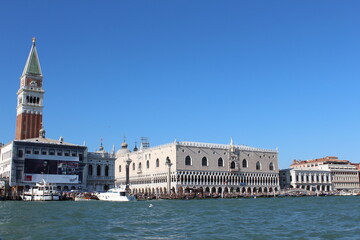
124,145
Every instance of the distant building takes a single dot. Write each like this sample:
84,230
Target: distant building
100,170
25,162
306,179
214,168
313,173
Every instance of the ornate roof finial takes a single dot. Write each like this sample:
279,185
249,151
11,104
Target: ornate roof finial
113,149
33,40
101,145
135,148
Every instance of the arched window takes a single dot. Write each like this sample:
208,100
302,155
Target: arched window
232,165
106,170
188,160
133,166
220,162
157,162
139,166
90,170
271,166
147,164
204,161
98,170
244,163
258,166
119,168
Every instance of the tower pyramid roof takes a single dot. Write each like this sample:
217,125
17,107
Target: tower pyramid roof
32,65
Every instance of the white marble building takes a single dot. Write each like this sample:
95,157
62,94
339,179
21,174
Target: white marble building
100,170
306,179
328,172
214,168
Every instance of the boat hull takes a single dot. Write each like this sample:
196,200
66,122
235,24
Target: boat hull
113,198
29,197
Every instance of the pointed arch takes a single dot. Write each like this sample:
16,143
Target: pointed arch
204,161
258,165
187,160
271,166
244,163
220,162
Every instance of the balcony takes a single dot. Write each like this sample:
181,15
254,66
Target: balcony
101,178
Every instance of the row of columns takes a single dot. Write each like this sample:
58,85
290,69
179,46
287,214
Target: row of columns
102,170
205,178
313,177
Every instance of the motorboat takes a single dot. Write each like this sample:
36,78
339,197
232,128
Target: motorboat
85,197
42,191
119,194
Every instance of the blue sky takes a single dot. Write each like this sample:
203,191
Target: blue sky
266,73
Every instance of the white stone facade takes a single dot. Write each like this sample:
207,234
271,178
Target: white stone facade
22,163
100,170
306,179
215,168
344,176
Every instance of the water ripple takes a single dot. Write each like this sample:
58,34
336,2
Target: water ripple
273,218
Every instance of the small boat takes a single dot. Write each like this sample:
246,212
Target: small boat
119,194
42,191
85,197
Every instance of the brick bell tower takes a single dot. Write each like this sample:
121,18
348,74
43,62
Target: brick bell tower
30,98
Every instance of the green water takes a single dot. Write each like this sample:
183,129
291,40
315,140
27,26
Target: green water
261,218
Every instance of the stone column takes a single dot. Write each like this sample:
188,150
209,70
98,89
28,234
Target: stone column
168,164
128,161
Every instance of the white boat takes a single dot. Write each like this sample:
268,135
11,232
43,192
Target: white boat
118,194
41,192
85,197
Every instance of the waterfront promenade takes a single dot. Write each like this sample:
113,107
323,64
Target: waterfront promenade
66,196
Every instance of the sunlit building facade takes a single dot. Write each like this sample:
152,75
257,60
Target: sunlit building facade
100,170
215,168
328,172
26,162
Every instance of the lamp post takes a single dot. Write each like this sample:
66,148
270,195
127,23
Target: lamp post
168,164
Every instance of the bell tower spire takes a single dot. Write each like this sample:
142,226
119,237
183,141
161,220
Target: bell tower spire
30,98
